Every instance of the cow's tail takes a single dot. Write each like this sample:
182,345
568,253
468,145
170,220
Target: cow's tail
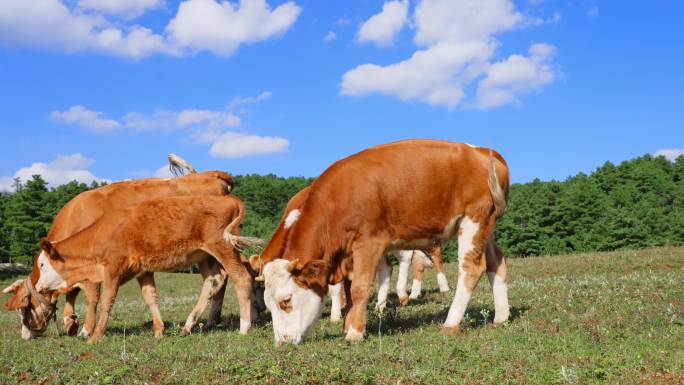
238,241
179,166
499,196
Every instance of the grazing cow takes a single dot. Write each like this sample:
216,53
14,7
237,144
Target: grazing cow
380,200
83,211
164,234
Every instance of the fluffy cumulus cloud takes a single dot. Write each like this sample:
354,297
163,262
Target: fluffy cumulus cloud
124,8
456,48
89,120
103,26
220,27
239,145
63,169
203,126
382,27
670,153
516,75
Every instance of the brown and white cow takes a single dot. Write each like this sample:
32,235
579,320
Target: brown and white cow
83,211
164,234
380,200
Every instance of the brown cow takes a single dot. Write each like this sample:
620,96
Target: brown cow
164,234
88,207
380,200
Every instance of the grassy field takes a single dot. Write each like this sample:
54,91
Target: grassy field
588,318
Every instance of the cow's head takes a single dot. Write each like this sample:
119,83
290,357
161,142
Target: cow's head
35,302
294,293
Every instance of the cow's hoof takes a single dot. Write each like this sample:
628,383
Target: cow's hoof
354,335
334,318
184,332
208,326
70,326
159,334
451,330
93,340
403,301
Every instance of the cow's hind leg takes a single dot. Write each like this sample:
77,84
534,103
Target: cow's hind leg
404,257
367,257
149,294
213,281
384,275
496,271
110,287
70,318
439,268
335,292
92,297
418,273
472,240
216,302
242,281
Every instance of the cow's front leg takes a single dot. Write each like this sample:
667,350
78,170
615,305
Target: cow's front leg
109,289
149,294
92,297
367,256
70,317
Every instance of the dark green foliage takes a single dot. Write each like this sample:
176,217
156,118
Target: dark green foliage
639,203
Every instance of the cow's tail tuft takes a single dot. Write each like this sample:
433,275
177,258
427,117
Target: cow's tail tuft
179,166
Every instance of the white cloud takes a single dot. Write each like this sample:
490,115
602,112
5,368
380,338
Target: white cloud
330,36
670,153
435,75
163,120
199,25
222,27
457,49
238,145
85,118
64,169
125,8
515,76
382,27
593,12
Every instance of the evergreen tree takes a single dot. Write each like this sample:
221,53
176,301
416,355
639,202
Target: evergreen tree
28,219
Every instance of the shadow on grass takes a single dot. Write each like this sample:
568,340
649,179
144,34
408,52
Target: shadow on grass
393,321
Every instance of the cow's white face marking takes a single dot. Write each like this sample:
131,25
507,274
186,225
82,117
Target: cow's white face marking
292,218
49,278
294,309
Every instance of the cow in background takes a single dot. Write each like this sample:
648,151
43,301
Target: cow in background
84,210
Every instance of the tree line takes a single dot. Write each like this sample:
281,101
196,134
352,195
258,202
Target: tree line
638,203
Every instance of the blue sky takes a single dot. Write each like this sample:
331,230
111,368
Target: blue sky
105,89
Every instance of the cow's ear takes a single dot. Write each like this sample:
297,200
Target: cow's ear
313,275
254,263
49,248
18,301
13,287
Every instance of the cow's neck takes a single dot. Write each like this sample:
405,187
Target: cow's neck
77,255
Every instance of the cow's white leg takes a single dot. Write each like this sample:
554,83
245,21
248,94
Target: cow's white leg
439,268
149,294
335,292
471,264
384,275
442,282
404,257
496,271
213,280
416,288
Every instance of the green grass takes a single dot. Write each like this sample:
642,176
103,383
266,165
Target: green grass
587,318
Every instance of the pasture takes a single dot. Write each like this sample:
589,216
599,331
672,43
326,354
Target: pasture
614,317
